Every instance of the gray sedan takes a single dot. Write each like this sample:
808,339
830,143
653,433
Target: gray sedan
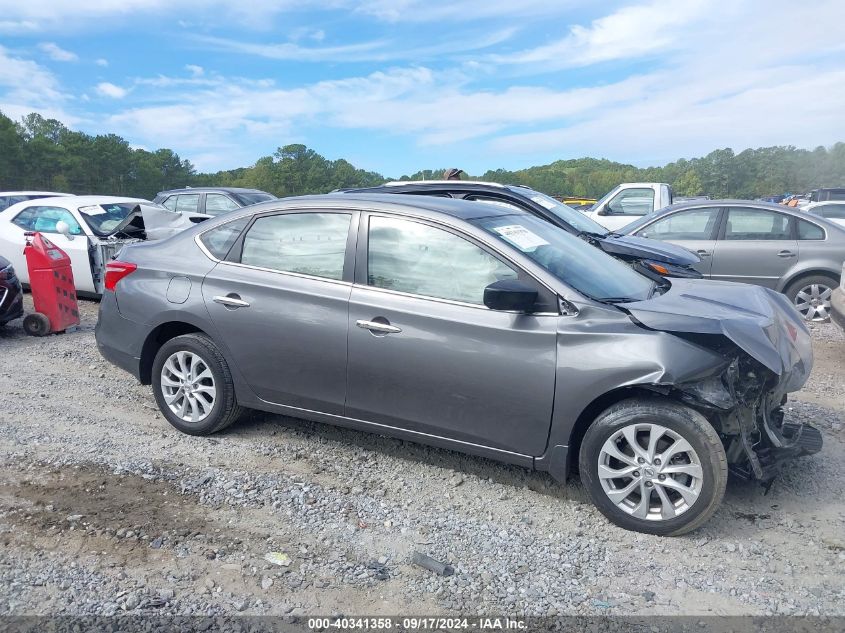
770,245
472,327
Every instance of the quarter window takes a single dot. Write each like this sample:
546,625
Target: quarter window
44,220
305,243
188,203
756,224
170,203
686,225
216,204
419,259
632,202
809,231
219,240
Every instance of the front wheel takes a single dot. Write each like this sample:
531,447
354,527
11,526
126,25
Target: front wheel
654,466
193,385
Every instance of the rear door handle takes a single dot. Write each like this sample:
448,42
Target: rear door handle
375,326
702,253
786,254
232,302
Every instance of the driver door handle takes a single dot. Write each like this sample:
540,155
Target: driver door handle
702,253
786,254
375,326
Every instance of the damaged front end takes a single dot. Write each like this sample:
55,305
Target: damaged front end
745,404
768,354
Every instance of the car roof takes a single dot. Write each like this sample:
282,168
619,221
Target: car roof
70,202
53,194
439,185
211,189
820,203
757,204
367,201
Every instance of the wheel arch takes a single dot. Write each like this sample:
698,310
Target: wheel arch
807,272
157,337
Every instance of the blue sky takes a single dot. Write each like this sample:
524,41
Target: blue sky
397,86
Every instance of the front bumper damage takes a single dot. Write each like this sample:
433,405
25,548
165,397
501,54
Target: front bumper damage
745,403
768,354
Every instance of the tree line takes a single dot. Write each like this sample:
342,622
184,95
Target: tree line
39,153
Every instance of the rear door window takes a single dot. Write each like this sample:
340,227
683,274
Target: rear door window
756,225
832,211
304,243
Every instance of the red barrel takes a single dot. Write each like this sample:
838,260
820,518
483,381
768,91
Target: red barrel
51,283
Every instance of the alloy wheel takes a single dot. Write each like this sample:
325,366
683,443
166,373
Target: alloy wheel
187,385
649,471
813,302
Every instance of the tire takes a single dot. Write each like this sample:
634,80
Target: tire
678,423
818,288
36,324
211,417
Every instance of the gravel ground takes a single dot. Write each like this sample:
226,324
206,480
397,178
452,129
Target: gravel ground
104,508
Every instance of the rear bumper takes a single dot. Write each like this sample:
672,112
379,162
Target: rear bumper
119,340
837,307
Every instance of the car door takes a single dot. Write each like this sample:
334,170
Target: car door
44,220
755,246
190,205
426,355
693,229
280,304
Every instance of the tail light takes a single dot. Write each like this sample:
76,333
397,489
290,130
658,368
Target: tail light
117,270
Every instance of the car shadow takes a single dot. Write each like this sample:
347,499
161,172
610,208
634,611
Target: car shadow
516,477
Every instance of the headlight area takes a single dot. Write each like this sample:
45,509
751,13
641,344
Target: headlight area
665,269
745,404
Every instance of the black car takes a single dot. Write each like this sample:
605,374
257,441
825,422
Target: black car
11,295
649,256
210,201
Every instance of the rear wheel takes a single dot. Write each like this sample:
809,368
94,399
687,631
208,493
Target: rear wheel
193,385
654,466
811,296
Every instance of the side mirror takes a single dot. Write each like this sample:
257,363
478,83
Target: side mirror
603,210
510,294
64,228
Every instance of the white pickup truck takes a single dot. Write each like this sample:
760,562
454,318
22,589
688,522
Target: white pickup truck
628,201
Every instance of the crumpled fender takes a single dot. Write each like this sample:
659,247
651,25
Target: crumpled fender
759,321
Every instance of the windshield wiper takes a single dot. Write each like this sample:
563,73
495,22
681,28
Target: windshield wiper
618,299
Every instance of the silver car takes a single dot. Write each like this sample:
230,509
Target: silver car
759,243
472,327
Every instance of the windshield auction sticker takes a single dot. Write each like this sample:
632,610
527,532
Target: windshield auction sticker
521,237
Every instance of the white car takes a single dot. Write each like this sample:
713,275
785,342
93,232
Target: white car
90,229
833,210
8,198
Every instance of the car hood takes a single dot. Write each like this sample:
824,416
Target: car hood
645,248
759,321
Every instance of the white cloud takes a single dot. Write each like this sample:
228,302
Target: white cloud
196,71
26,81
102,61
107,89
56,53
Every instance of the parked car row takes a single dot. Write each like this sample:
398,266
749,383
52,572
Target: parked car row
91,229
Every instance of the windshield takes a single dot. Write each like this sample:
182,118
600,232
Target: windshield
570,216
247,199
105,218
572,260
